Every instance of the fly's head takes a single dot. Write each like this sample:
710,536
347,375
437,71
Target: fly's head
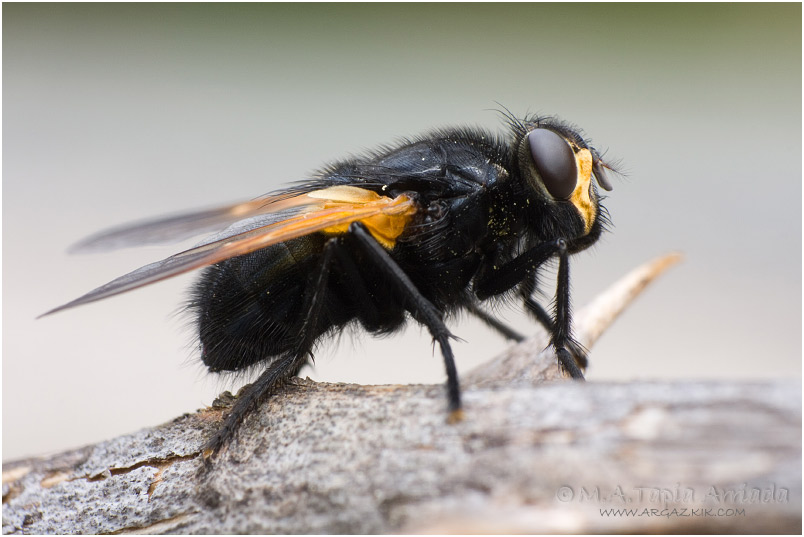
557,166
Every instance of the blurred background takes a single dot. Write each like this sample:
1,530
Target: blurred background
116,112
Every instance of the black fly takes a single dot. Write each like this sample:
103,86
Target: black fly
427,227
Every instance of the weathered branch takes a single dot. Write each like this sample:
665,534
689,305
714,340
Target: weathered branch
531,456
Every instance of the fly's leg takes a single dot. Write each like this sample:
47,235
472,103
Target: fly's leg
421,309
504,330
527,290
540,314
518,270
282,369
249,398
499,279
562,326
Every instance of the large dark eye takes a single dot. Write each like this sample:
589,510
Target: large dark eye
555,162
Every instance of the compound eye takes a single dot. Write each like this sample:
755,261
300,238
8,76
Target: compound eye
555,161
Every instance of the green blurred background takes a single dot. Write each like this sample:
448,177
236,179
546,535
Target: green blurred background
115,112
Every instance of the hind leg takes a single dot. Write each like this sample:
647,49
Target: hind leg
285,366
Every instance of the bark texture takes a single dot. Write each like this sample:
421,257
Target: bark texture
534,454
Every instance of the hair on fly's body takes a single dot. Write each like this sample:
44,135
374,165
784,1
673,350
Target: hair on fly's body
434,225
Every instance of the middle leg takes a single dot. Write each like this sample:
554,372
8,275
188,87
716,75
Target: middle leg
421,309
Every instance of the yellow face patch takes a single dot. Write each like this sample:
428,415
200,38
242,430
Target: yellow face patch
580,196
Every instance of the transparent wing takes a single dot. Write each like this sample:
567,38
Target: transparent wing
335,208
184,226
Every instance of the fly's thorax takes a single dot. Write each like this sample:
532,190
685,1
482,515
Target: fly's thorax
558,173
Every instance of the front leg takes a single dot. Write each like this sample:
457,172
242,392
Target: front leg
546,320
500,279
526,290
562,326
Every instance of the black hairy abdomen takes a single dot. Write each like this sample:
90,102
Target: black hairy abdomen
253,308
249,308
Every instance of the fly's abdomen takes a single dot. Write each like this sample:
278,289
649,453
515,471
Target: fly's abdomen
249,308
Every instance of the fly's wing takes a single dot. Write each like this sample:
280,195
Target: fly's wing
183,226
329,210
